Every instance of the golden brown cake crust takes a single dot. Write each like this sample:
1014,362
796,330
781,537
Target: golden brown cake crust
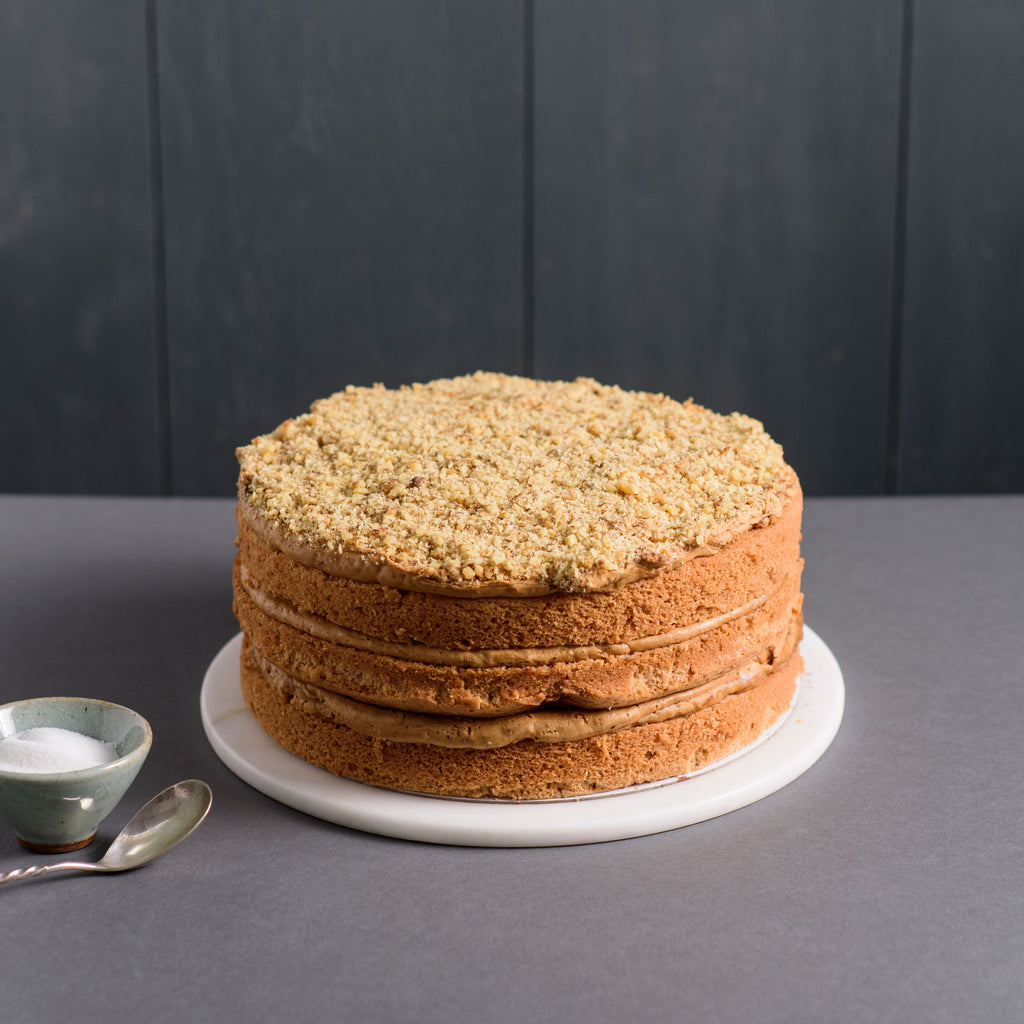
528,769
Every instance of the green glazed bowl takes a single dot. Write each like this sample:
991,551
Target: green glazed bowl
55,812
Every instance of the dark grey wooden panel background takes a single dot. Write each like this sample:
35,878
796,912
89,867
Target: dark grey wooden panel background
715,212
342,188
213,213
963,357
78,366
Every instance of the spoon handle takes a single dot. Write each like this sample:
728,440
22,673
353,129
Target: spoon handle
44,869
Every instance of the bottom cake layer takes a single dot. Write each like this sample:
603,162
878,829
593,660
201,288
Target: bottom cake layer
531,769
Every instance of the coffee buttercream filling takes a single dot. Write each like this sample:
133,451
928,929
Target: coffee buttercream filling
550,725
323,629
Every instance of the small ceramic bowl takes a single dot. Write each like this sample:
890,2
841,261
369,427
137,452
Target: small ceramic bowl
55,812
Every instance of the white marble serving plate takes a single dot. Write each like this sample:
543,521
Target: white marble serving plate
750,775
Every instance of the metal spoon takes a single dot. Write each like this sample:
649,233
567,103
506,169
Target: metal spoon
162,823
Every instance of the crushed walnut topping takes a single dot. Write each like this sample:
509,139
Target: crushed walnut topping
492,477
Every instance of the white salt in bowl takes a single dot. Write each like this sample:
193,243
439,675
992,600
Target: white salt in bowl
55,811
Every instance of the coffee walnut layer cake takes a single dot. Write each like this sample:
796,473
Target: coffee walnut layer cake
498,587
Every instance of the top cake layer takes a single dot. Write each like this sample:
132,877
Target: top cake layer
491,484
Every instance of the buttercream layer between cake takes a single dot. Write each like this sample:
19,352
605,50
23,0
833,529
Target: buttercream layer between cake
604,679
699,588
528,769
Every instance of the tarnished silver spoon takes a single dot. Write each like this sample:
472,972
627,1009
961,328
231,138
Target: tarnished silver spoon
162,823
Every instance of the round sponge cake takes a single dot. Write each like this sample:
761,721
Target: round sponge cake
499,587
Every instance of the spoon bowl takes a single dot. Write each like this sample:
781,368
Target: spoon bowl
160,825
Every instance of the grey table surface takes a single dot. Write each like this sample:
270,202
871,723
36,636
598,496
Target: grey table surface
884,884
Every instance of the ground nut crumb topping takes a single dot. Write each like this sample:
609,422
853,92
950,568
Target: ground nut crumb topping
497,478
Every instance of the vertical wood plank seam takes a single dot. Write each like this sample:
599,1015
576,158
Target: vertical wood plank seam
158,255
899,253
527,240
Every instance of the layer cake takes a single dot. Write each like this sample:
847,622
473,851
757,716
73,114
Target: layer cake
498,587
